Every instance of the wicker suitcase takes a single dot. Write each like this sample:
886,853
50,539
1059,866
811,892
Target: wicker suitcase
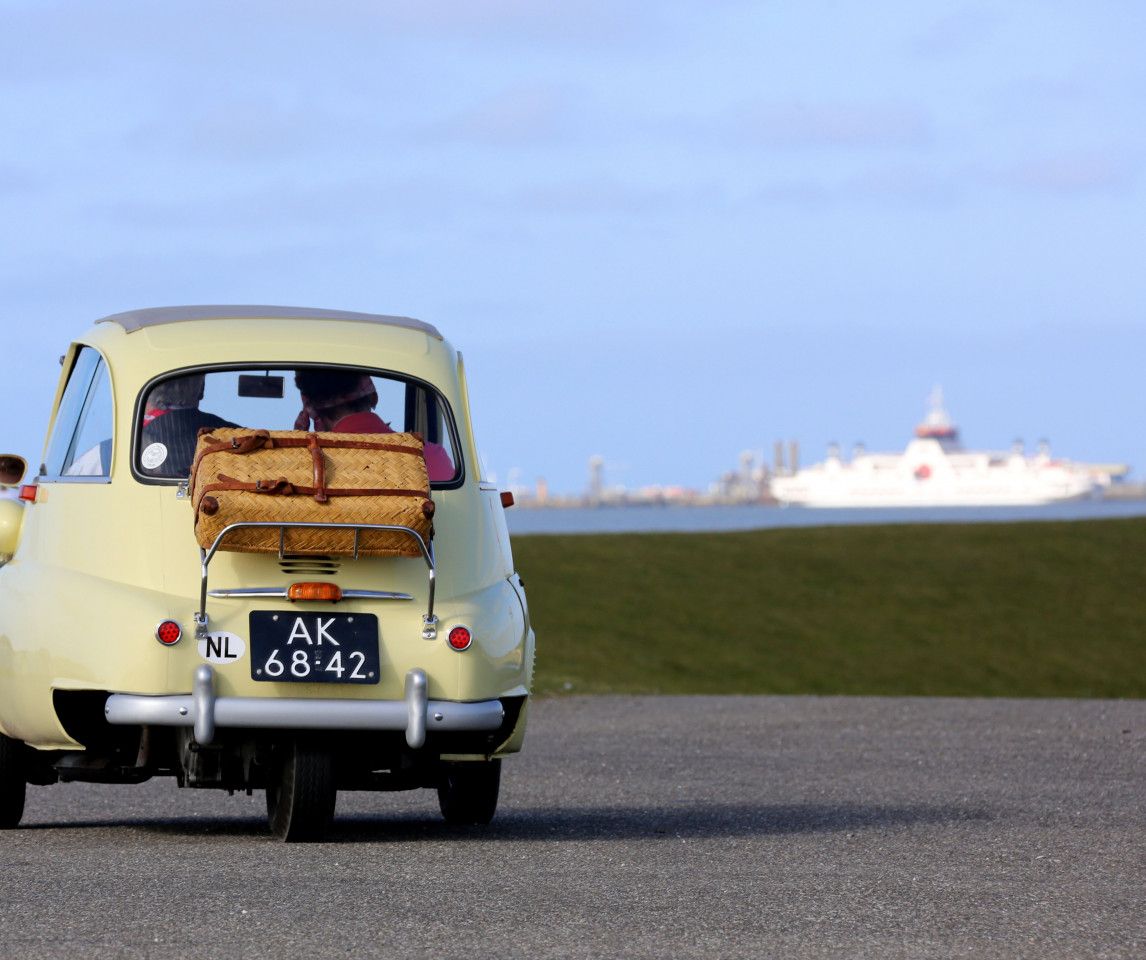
291,476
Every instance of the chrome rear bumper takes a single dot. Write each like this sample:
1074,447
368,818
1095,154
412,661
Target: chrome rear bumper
205,711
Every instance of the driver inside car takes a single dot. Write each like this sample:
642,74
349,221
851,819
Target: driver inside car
171,424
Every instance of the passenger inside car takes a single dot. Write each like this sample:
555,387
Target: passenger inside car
343,401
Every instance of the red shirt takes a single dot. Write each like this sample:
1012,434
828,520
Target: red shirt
438,463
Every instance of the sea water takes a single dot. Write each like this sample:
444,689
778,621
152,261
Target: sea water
650,519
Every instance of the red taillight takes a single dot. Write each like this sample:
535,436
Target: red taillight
460,638
315,590
28,492
168,633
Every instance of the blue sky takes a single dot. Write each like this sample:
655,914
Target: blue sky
662,233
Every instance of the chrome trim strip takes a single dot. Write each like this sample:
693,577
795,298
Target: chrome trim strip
76,479
375,595
276,593
279,593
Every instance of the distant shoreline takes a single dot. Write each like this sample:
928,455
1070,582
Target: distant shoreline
709,518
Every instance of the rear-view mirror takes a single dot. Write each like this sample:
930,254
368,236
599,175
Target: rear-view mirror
268,387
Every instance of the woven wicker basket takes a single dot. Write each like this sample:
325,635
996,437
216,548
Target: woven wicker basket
290,476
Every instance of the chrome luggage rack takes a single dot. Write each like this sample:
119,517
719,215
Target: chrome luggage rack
429,621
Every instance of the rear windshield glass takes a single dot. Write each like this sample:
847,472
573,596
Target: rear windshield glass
338,399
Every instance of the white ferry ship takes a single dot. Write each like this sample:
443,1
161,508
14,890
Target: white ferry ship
935,471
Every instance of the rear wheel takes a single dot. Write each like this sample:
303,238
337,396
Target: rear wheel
467,792
13,781
301,794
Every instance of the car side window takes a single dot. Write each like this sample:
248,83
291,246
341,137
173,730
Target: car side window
80,445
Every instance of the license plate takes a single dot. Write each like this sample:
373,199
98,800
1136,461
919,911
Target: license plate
314,647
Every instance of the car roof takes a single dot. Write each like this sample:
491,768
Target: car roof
134,320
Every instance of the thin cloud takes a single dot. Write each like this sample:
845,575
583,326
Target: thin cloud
517,116
248,127
904,184
17,179
286,207
596,197
922,184
553,20
555,23
1082,172
841,125
332,208
918,184
956,33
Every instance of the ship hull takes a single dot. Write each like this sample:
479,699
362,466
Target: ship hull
843,500
929,474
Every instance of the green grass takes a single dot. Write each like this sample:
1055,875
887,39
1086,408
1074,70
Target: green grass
1032,609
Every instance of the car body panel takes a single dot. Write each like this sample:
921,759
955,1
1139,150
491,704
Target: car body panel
100,562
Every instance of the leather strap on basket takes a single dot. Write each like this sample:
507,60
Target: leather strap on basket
244,443
262,440
327,444
284,488
319,462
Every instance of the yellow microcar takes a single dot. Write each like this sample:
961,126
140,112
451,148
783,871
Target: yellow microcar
131,649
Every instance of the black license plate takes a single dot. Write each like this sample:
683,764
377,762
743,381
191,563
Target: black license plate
314,647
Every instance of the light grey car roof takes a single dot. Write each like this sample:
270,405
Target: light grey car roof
134,320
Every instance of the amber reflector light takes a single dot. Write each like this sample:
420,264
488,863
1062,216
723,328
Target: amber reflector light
460,638
168,633
315,590
28,492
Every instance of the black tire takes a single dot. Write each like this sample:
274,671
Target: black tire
467,791
13,781
301,794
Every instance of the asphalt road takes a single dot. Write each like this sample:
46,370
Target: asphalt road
641,827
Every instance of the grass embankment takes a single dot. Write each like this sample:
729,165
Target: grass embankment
1033,609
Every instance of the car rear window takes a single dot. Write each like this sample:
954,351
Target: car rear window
173,409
